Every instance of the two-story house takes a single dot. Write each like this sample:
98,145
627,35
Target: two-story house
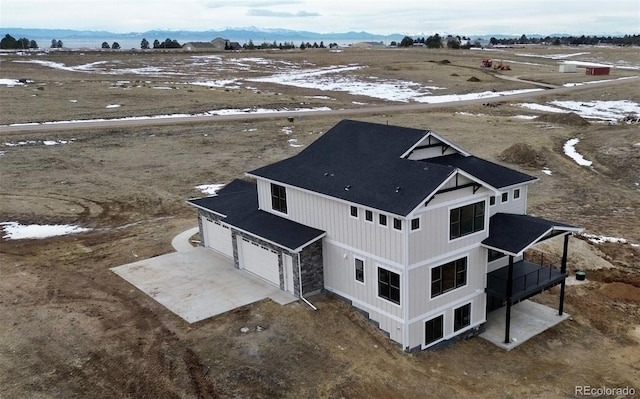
413,230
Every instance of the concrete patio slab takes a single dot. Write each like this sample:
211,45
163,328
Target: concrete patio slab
198,283
528,319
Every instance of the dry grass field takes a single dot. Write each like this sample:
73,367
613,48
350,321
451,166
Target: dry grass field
70,328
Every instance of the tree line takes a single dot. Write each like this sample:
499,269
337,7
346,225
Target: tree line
10,43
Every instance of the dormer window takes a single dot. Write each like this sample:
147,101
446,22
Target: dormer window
278,198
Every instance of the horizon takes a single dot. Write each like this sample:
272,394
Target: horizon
465,17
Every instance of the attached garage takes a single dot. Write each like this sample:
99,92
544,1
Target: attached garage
259,260
217,237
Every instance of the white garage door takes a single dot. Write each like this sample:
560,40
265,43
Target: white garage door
217,237
260,261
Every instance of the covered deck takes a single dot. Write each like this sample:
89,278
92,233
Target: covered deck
512,235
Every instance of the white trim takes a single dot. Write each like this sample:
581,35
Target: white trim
275,211
366,305
388,262
364,269
437,137
461,200
524,183
274,243
377,280
439,259
427,315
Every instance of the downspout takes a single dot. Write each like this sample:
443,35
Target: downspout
300,281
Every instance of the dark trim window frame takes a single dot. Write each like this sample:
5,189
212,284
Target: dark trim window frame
492,200
358,268
516,193
397,224
389,285
278,198
448,277
504,197
433,330
415,224
466,220
462,317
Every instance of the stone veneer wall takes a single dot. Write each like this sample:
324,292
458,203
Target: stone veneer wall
312,268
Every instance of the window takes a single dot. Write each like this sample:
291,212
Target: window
382,219
466,220
433,330
397,224
448,277
492,200
354,211
278,198
493,255
505,197
415,224
359,265
368,216
462,317
389,285
516,193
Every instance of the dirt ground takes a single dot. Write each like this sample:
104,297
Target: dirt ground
70,328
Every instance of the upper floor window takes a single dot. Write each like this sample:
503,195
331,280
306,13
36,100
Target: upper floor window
466,220
415,224
516,193
382,219
278,198
492,200
505,197
448,277
397,224
354,211
368,216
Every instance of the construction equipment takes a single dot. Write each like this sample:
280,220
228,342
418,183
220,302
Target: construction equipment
486,63
502,67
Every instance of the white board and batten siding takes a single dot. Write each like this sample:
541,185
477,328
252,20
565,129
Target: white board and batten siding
334,218
512,205
217,236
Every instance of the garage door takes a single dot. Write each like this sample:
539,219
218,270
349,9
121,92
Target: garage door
260,261
217,237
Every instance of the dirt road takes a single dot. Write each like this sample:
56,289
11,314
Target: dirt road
338,112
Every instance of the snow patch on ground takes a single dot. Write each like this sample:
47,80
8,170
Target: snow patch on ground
113,106
547,171
611,111
570,149
602,239
17,231
209,189
34,142
11,82
552,56
294,143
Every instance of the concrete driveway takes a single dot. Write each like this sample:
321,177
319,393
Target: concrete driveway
198,283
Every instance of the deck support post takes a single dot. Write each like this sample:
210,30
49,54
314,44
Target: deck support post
509,291
563,269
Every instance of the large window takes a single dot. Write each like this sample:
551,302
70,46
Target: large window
278,198
448,277
433,329
462,317
466,220
389,285
359,269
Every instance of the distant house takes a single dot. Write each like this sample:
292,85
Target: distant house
368,45
567,68
198,46
422,236
219,43
234,46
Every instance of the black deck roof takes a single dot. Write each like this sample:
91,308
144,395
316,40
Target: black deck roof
361,162
513,234
238,203
497,176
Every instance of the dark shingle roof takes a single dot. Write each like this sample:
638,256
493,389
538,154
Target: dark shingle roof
491,173
360,162
366,159
515,233
238,201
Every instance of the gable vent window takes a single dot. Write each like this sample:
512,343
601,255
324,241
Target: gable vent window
278,198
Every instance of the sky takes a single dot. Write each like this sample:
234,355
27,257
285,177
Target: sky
414,17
